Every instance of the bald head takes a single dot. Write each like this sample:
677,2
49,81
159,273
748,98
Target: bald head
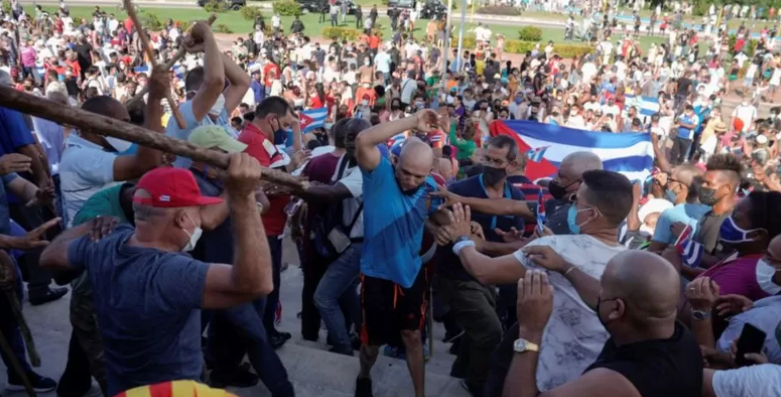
648,283
415,151
415,164
575,164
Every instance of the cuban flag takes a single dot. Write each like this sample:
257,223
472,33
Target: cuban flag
690,250
647,106
537,154
628,153
312,119
540,212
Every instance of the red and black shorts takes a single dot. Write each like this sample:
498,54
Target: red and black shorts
387,308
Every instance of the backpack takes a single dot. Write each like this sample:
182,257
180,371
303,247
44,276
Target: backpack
328,234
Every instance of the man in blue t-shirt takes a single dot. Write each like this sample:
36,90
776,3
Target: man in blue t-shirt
682,189
397,205
686,124
147,293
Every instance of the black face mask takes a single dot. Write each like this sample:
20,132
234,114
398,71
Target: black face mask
707,196
557,191
493,175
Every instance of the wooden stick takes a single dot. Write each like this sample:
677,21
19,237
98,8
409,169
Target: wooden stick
131,12
106,126
180,53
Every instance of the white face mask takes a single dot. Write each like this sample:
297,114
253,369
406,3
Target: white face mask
194,237
765,274
573,114
218,107
365,102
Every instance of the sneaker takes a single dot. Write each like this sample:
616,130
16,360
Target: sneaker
474,391
41,384
363,387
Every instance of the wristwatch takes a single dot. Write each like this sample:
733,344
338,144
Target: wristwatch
700,315
522,346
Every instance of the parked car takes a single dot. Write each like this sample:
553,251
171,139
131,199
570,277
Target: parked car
233,4
401,3
433,9
319,5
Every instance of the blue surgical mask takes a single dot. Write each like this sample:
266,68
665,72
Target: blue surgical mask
670,196
730,232
572,216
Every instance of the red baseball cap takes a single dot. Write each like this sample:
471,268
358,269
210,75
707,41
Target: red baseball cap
172,188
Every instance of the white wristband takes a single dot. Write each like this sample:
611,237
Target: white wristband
457,247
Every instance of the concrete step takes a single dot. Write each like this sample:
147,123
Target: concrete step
319,373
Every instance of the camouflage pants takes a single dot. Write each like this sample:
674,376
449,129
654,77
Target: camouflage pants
85,327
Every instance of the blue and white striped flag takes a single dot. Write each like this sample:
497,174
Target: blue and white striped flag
647,106
312,119
631,154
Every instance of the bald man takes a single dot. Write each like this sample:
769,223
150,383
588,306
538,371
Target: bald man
648,354
566,182
393,287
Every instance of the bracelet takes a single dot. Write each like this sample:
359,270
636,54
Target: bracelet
569,270
457,247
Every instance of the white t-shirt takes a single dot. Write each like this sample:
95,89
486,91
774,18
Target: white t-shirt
352,179
754,381
573,337
747,114
85,169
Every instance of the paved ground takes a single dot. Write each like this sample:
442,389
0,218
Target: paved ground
314,371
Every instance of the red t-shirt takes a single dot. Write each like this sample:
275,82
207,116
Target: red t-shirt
266,69
266,153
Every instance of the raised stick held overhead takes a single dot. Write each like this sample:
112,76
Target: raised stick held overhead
106,126
180,53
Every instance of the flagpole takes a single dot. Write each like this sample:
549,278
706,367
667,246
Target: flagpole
461,34
446,49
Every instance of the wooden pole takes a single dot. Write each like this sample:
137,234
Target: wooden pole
180,53
106,126
131,12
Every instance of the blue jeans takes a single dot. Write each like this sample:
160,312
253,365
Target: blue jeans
245,322
10,329
339,284
272,300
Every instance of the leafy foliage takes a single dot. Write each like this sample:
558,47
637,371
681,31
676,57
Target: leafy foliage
287,8
222,28
530,33
338,33
217,6
150,21
250,13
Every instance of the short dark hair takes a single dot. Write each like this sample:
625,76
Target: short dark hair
728,163
504,141
610,192
194,79
273,104
765,212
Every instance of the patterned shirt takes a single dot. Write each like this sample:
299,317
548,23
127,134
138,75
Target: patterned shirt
574,337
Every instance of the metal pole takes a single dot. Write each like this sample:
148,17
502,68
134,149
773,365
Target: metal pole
446,44
461,34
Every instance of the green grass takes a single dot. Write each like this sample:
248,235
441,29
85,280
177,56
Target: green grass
239,25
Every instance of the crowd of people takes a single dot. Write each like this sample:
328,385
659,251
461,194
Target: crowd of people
407,205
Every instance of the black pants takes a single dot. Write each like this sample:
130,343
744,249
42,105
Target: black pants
29,218
680,150
310,315
358,22
272,301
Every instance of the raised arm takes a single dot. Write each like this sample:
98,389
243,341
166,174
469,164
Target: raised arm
239,83
250,275
202,39
134,166
366,142
501,206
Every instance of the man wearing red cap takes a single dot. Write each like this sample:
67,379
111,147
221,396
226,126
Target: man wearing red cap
147,292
